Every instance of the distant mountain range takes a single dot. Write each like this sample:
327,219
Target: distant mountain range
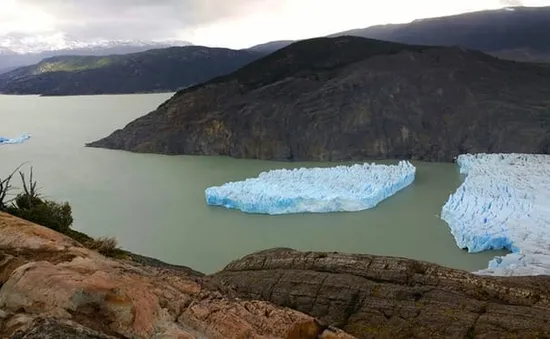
109,67
351,98
17,52
517,33
157,70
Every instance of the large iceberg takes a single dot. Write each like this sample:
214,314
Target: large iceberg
315,190
22,138
504,203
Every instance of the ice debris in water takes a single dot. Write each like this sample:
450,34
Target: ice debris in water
504,203
24,137
317,190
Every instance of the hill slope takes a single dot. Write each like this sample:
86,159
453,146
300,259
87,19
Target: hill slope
350,98
17,51
150,71
514,33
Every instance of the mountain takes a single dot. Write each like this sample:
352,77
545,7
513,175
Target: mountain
351,98
17,52
271,47
152,71
513,33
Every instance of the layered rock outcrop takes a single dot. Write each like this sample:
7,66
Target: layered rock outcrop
381,297
54,288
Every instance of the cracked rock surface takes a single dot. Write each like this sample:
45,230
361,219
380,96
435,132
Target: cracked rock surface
382,297
52,287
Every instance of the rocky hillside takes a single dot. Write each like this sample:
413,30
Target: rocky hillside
382,297
351,98
52,287
158,70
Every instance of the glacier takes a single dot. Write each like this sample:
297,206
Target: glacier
503,203
314,190
22,138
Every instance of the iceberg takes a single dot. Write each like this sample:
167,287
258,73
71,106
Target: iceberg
314,190
24,137
504,203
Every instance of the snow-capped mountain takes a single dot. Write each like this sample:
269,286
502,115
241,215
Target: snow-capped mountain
18,50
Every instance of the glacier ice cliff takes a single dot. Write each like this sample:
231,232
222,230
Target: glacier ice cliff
315,190
24,137
504,203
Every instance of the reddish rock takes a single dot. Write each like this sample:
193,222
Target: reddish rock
51,283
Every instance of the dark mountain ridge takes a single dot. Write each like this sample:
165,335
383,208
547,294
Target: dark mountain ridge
515,33
498,32
157,70
351,98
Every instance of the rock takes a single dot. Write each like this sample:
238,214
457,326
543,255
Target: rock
57,329
350,98
382,297
52,287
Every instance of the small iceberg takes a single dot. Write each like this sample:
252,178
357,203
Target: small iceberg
504,203
24,137
314,190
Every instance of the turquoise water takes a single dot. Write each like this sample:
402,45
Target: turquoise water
155,204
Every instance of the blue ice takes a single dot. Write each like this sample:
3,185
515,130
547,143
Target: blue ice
504,203
22,138
314,190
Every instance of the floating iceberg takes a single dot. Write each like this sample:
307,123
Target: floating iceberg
504,203
24,137
316,190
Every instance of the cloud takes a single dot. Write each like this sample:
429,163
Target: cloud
511,2
145,19
231,23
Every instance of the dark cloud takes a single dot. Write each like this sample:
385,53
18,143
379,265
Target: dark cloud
143,19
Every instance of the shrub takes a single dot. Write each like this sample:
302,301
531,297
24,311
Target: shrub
106,246
47,213
5,189
30,206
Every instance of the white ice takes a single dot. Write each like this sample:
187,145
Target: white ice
504,203
314,190
24,137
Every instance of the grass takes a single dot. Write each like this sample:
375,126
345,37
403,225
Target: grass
73,64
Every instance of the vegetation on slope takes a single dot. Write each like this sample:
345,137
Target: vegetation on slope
73,64
159,70
28,204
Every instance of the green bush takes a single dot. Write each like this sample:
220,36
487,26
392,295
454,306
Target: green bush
30,206
47,213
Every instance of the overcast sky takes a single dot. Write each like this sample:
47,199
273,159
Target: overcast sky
227,23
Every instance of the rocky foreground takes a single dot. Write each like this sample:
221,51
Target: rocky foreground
52,287
350,98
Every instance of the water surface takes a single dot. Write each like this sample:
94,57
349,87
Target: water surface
155,205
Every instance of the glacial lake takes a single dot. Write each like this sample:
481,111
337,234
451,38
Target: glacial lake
155,205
